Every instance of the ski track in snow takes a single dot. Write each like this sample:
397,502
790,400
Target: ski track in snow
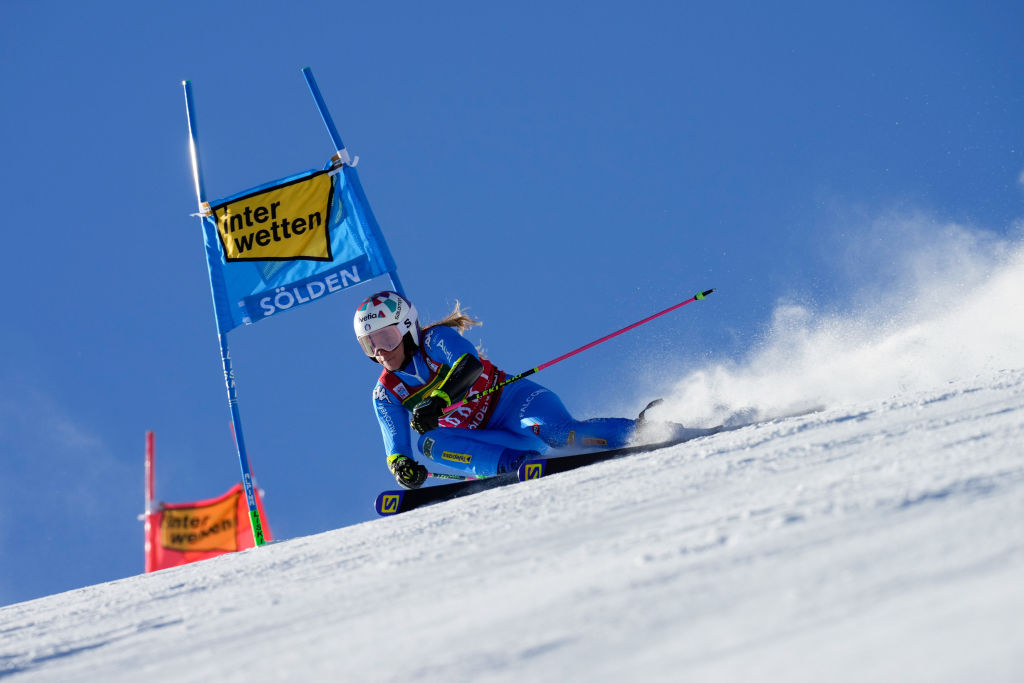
871,541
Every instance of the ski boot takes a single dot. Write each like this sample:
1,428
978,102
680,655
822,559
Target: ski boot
648,431
511,459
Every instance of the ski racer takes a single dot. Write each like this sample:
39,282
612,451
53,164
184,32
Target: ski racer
428,369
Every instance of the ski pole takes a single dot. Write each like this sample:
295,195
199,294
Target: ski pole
456,477
696,297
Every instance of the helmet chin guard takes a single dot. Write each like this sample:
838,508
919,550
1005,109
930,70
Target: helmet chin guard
382,310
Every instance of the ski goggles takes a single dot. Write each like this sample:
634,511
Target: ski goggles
386,338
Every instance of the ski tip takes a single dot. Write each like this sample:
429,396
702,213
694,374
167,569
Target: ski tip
389,503
532,469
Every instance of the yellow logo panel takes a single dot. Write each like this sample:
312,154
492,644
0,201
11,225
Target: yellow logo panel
211,527
464,458
389,504
282,223
534,471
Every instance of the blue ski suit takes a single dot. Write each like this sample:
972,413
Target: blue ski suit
494,433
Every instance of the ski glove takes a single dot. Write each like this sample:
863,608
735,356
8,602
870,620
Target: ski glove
408,473
427,413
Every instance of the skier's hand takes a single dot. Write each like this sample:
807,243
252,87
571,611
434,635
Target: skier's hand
427,413
408,473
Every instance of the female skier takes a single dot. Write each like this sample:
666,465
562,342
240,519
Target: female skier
427,370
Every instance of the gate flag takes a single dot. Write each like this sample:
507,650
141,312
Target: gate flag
289,242
179,533
281,245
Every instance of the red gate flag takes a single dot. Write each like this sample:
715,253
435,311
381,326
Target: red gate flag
179,533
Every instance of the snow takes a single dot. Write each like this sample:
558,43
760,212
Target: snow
880,537
871,540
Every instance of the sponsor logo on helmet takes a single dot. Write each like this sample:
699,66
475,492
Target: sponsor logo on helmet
380,299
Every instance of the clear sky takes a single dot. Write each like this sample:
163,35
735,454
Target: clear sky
562,169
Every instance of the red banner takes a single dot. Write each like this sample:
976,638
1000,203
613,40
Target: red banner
179,533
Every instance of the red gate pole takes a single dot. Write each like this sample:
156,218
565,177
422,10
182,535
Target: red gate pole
150,495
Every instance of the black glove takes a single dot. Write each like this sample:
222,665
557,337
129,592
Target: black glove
408,473
427,413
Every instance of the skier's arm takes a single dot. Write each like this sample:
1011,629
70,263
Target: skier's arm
397,444
456,385
425,416
392,418
448,347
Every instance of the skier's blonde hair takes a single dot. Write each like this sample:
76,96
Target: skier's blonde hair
457,319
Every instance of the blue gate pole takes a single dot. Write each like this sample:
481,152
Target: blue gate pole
342,154
322,107
197,171
243,459
225,352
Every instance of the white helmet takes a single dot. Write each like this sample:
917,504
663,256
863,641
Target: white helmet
383,320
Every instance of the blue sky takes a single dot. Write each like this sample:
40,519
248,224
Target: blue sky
561,169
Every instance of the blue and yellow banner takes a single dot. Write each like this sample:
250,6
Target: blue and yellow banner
287,243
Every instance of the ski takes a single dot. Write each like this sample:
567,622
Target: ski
542,467
402,500
395,501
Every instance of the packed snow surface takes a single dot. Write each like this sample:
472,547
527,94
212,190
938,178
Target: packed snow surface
876,540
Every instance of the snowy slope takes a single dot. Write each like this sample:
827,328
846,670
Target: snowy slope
874,540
